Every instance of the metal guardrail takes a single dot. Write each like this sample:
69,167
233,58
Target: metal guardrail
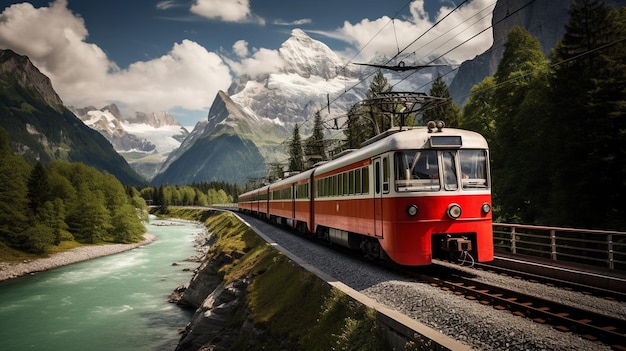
600,248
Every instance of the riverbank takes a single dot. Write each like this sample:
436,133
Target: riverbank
79,254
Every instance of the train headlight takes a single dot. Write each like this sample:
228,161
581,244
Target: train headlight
411,210
454,211
486,208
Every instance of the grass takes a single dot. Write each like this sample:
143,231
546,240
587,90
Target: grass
293,307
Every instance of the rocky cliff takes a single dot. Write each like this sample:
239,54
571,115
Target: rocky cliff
41,129
543,19
248,296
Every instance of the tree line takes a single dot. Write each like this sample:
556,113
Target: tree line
44,205
41,206
196,194
556,125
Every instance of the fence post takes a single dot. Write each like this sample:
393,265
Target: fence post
553,253
513,248
610,251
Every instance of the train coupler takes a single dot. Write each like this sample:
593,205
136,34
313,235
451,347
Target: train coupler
459,248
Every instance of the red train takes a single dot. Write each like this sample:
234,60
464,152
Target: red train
407,195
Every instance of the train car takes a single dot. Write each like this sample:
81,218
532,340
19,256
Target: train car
409,195
255,202
246,203
290,201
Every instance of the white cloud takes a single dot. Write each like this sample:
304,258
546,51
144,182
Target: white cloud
167,4
188,76
299,22
262,62
387,36
225,10
240,48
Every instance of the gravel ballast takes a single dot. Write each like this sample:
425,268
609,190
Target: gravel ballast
478,326
9,270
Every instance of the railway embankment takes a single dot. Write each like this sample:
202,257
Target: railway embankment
247,294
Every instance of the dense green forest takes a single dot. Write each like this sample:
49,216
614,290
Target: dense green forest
196,194
557,126
41,206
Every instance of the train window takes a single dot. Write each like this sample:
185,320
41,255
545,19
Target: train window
385,174
366,180
416,170
377,177
351,182
357,181
335,185
449,171
329,184
473,169
346,188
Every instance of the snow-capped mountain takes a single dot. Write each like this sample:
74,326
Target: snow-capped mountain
144,140
264,110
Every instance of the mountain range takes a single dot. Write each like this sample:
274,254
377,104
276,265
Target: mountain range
42,129
145,140
248,127
263,111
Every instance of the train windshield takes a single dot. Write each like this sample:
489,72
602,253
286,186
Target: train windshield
432,170
417,170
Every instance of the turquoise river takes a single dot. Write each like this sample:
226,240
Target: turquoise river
116,302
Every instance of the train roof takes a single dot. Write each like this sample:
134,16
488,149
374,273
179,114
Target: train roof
410,138
293,179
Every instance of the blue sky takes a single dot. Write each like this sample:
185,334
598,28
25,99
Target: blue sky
175,55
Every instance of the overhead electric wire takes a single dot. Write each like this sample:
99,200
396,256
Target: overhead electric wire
362,80
400,52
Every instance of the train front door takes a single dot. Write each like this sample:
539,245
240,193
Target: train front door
381,187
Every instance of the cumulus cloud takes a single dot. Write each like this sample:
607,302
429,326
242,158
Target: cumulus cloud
262,62
240,48
387,36
225,10
187,76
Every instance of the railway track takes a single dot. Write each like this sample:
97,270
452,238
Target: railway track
567,318
589,288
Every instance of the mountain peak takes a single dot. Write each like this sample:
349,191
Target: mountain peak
308,57
19,69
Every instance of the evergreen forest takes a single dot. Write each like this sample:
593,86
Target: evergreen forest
556,126
44,206
69,204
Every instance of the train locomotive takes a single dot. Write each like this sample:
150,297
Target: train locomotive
408,195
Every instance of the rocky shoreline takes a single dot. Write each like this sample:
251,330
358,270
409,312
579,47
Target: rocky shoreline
79,254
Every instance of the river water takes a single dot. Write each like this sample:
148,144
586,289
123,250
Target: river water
116,302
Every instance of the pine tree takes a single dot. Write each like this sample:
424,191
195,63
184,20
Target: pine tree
37,187
518,150
14,173
478,112
359,127
589,127
378,85
296,155
365,122
315,149
446,110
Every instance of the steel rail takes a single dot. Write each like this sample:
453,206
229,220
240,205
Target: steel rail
590,325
